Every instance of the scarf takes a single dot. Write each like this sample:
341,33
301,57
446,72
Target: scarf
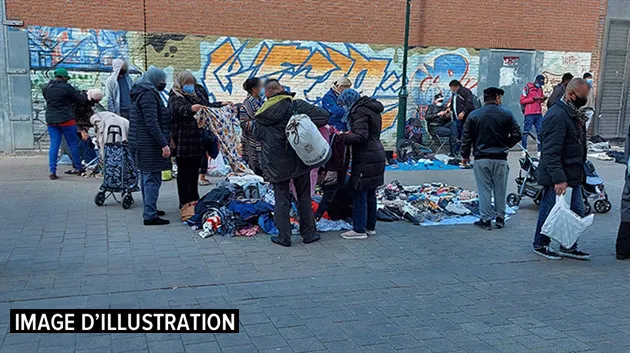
180,81
577,112
272,101
152,77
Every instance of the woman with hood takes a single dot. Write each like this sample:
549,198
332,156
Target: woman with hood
118,87
185,100
368,160
149,136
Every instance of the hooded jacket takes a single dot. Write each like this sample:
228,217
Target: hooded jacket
279,161
532,106
112,89
368,154
329,102
149,128
563,147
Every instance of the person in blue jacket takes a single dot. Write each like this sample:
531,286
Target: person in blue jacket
331,105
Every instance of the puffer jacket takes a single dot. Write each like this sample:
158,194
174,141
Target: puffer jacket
368,154
149,128
563,147
329,102
532,106
279,161
61,99
434,120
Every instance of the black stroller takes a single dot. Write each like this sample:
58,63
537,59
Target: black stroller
119,170
526,182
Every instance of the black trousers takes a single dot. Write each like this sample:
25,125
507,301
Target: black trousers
283,207
187,183
623,239
203,165
330,191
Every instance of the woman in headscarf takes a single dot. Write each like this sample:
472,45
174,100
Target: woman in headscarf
149,136
255,98
330,102
368,160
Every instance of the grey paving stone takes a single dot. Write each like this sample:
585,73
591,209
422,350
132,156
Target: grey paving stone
172,346
207,347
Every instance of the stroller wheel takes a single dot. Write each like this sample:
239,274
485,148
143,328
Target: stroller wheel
602,206
127,201
513,200
99,199
587,207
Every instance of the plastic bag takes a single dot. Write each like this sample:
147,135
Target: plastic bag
564,225
217,167
307,141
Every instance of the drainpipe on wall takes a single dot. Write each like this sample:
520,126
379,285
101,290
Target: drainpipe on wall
6,141
403,94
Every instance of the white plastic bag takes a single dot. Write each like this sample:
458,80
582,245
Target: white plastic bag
217,167
564,225
309,144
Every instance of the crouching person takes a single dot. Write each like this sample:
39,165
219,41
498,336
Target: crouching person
280,164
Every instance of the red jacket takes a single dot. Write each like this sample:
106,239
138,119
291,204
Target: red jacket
531,105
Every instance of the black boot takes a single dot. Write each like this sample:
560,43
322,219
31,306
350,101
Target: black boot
623,241
486,225
284,242
500,222
307,239
157,221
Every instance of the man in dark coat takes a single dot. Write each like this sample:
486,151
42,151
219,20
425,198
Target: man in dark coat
491,131
623,236
558,91
563,143
149,137
462,104
280,164
368,160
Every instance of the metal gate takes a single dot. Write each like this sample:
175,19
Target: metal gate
509,70
612,104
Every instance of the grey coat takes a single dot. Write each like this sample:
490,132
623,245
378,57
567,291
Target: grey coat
149,128
112,89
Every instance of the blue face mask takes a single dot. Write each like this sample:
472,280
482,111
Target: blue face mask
188,88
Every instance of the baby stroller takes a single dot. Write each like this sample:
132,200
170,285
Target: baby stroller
119,170
526,183
593,189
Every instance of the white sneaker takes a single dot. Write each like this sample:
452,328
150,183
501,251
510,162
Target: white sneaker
353,235
370,232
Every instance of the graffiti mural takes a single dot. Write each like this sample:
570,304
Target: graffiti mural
556,64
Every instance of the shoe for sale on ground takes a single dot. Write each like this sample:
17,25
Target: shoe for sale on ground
574,254
74,172
486,225
161,213
53,176
353,235
276,240
548,253
500,222
157,221
623,257
370,232
311,238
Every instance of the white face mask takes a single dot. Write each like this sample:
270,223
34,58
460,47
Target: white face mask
439,104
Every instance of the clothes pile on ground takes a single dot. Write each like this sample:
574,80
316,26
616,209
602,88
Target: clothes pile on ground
599,148
428,204
414,156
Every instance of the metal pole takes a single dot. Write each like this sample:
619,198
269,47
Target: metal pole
403,94
6,136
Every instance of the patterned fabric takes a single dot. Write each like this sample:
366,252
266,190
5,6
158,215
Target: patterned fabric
251,148
120,173
223,123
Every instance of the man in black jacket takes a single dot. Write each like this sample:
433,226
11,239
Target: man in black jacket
280,164
462,104
563,142
491,131
439,120
559,90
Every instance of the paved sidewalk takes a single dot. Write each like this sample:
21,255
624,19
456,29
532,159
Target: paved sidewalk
408,289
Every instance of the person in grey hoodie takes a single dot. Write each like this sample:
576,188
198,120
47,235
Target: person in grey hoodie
118,88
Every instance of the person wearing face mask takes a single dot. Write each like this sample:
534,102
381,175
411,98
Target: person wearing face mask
439,120
247,115
61,99
563,142
331,105
149,136
559,90
117,89
531,105
589,108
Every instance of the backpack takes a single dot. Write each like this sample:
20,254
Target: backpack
525,93
306,140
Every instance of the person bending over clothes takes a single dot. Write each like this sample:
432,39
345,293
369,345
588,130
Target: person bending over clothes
368,160
149,136
280,164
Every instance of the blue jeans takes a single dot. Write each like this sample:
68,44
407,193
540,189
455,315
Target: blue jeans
70,134
535,121
546,204
457,129
151,182
364,210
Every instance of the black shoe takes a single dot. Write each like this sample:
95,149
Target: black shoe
157,221
547,252
161,213
574,254
310,238
500,222
623,257
276,240
75,172
486,225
